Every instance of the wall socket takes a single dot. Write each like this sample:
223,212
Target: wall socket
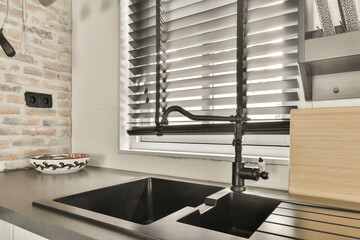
38,100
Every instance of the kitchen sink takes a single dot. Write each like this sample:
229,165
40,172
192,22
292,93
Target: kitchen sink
142,201
235,214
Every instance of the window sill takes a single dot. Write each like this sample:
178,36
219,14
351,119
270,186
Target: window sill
213,157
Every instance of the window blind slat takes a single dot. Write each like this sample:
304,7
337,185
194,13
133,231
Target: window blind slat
287,20
263,86
272,11
143,60
286,59
143,24
201,39
274,36
142,5
201,60
204,49
287,72
253,4
142,14
227,78
228,101
287,46
201,17
143,42
201,28
143,51
202,71
215,91
188,52
199,10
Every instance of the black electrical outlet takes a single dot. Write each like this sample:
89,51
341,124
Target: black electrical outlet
45,101
38,100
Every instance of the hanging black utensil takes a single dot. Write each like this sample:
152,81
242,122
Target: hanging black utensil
6,46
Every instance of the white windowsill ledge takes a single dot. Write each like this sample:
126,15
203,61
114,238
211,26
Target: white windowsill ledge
213,157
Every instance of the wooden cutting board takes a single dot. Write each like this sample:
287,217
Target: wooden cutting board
325,153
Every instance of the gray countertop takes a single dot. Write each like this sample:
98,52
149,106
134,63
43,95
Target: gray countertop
20,188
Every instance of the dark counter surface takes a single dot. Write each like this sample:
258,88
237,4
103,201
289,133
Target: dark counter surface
20,188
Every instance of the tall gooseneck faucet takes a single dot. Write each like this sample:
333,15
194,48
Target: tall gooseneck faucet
239,171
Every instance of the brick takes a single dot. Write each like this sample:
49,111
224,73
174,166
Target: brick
15,99
41,33
36,152
29,142
46,132
41,11
14,34
59,9
23,81
58,86
44,53
6,131
21,121
64,113
15,68
64,77
57,67
64,39
4,144
9,110
63,150
29,132
32,71
63,96
56,122
63,20
63,104
60,141
55,46
24,58
2,66
66,59
7,88
65,132
50,75
8,156
39,112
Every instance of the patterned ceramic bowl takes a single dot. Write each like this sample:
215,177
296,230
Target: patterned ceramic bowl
59,163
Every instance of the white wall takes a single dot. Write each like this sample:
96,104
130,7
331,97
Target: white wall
95,107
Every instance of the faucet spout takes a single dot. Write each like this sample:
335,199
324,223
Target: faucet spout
191,116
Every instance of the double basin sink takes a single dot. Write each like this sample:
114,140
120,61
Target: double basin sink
144,202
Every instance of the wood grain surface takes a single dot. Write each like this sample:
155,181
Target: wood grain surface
325,153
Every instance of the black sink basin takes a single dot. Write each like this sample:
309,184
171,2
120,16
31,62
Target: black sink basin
236,214
142,201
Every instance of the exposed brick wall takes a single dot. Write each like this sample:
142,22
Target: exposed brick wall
24,131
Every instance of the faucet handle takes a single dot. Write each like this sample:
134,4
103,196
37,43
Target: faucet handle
261,164
262,167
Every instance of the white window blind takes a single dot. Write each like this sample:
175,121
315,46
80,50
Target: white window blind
198,55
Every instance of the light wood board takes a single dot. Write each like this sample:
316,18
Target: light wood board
325,153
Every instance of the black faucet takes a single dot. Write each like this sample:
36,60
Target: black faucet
239,171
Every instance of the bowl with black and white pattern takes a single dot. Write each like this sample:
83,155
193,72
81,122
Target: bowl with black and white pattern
59,163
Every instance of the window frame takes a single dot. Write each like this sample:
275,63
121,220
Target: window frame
180,150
